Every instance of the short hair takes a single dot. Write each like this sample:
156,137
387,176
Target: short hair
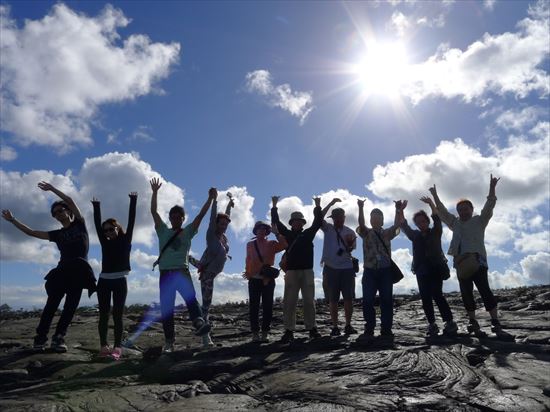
376,212
114,222
63,204
421,213
221,216
177,209
464,201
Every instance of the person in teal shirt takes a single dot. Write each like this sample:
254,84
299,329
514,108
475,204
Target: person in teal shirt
174,265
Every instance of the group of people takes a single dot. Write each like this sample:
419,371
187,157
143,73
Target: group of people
73,273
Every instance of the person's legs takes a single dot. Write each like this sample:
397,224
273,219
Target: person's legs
481,281
385,287
267,305
425,290
254,294
440,301
347,286
120,291
292,288
369,292
184,285
326,287
72,299
207,289
334,293
167,301
104,303
308,296
55,295
467,293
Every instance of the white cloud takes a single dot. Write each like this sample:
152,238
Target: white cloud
298,104
537,268
505,63
518,120
142,259
142,133
489,4
533,242
57,71
7,153
403,24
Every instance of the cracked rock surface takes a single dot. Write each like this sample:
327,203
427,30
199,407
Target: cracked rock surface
409,372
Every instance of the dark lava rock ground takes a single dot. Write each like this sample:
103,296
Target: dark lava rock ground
410,373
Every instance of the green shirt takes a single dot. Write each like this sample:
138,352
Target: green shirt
176,256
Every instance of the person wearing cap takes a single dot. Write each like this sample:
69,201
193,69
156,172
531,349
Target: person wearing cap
261,288
214,257
299,275
338,242
377,276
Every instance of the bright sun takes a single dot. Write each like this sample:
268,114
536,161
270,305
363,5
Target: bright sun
383,69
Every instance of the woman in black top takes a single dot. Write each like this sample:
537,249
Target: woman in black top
72,274
115,266
429,265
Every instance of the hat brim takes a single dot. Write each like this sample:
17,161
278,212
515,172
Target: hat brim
267,229
292,220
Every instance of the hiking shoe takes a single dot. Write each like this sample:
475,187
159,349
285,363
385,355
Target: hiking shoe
168,346
366,336
433,329
116,353
287,337
207,341
39,344
58,344
335,331
349,330
451,328
496,328
201,327
104,351
314,333
255,337
473,327
386,333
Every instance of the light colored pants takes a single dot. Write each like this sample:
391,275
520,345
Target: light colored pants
296,281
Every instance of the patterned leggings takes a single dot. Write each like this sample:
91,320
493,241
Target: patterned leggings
207,289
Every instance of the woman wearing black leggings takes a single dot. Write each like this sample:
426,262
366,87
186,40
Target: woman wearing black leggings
115,267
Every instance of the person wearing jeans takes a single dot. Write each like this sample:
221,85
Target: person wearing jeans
377,275
260,288
174,245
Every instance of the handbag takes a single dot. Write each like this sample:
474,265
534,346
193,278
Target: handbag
439,266
267,271
354,260
396,273
283,264
466,265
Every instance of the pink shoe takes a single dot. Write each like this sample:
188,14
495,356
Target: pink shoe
105,351
116,354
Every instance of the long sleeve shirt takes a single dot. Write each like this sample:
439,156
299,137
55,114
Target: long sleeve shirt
268,250
217,247
426,245
468,236
300,243
115,252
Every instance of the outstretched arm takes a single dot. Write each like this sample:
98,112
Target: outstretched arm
361,205
275,217
6,214
97,220
45,186
155,186
327,207
435,216
487,211
229,206
212,195
442,211
131,215
317,214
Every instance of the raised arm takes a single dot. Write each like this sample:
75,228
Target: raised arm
131,215
45,186
212,195
361,205
435,216
487,211
409,232
275,217
327,207
442,211
6,214
398,219
317,215
281,243
230,205
155,186
97,220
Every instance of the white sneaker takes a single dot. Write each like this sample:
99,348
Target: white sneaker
168,346
207,341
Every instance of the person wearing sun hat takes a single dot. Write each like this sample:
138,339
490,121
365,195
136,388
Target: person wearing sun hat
299,268
261,288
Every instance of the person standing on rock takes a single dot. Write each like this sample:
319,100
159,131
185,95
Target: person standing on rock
470,257
338,243
299,268
213,259
73,272
115,267
173,261
429,265
377,276
259,253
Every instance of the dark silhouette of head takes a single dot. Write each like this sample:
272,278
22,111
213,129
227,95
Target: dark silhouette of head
61,212
176,216
112,229
465,209
421,220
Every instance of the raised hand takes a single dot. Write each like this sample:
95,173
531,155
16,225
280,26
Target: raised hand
133,194
493,181
6,214
275,200
95,200
45,186
426,199
231,203
317,201
361,203
212,193
155,184
433,191
400,204
335,200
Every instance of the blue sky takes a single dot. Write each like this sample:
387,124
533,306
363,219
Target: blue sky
376,100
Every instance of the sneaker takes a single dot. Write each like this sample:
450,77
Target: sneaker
335,331
264,337
207,341
39,344
58,344
255,337
386,332
287,337
116,353
314,333
349,330
473,327
367,335
201,327
496,328
104,351
451,328
433,329
168,346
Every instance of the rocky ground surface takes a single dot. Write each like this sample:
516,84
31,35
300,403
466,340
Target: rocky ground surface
409,373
